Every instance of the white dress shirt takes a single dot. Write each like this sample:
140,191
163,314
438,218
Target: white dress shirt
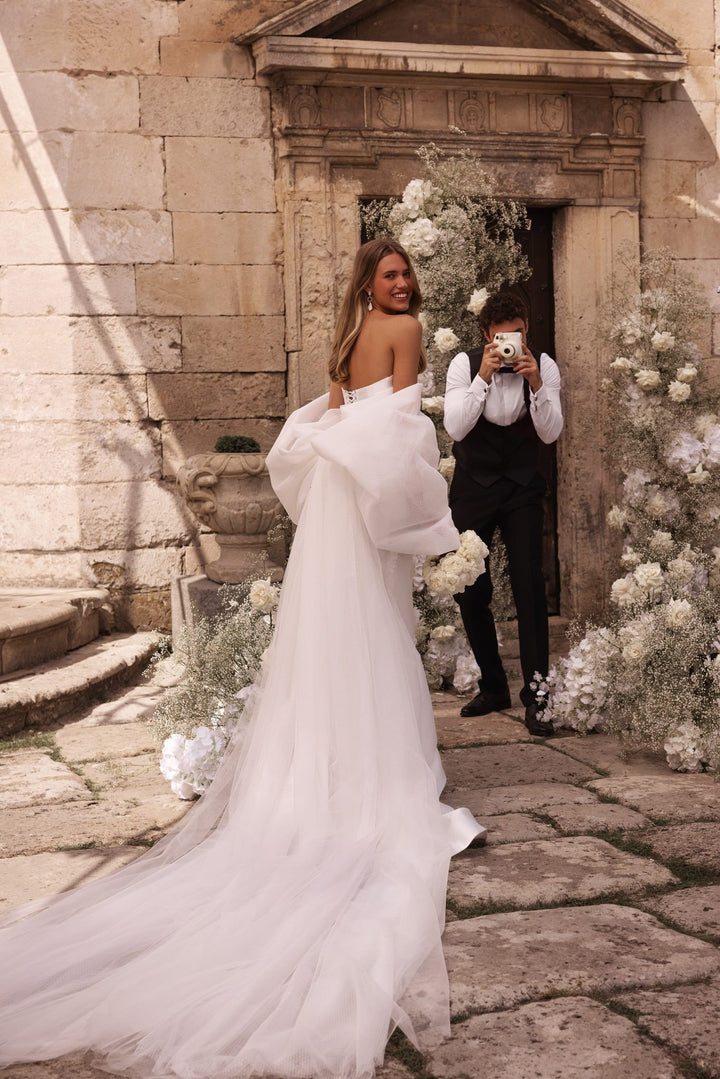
502,401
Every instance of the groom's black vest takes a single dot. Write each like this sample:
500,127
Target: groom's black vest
490,451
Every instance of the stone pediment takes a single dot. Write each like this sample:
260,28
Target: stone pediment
599,25
589,40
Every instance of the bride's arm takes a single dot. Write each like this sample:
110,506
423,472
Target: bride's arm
406,338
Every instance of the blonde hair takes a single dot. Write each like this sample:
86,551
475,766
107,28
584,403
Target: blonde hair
353,310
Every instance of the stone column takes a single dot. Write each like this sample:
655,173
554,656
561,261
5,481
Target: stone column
591,245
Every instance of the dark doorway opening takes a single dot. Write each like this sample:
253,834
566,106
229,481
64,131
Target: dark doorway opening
539,293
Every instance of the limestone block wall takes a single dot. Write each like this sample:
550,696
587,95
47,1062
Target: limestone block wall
680,177
141,299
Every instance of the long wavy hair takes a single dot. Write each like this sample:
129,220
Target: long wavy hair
354,306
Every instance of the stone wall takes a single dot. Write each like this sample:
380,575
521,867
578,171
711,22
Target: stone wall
150,294
141,302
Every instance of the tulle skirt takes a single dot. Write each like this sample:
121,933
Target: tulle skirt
294,918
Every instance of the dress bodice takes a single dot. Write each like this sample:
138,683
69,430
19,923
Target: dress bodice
381,388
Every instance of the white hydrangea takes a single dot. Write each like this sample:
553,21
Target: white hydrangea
630,331
647,379
686,373
685,452
711,444
264,596
466,674
579,685
419,238
434,406
478,300
190,764
684,748
649,577
678,391
445,339
662,341
421,197
635,485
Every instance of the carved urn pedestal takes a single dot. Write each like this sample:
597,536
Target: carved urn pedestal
231,494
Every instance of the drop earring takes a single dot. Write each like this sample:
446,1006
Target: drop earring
369,301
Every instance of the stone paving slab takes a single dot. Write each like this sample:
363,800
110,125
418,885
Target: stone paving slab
493,729
133,706
32,777
599,817
103,823
686,1019
673,796
696,910
35,876
74,1066
515,828
136,777
499,960
502,766
571,1038
698,844
549,871
607,753
81,743
519,798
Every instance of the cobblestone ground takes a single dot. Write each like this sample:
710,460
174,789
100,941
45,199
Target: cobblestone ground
582,941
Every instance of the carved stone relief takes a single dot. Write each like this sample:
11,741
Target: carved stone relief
628,119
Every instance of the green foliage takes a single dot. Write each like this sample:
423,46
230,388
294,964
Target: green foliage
237,444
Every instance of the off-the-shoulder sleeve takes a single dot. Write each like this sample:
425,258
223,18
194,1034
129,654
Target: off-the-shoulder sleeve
292,460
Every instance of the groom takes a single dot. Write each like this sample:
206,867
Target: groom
498,413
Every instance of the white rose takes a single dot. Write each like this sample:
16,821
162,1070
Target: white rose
647,379
678,613
446,468
681,570
704,423
661,542
698,476
263,596
630,558
625,592
477,301
678,391
434,406
443,633
634,650
663,341
617,518
445,339
622,363
686,373
657,505
649,576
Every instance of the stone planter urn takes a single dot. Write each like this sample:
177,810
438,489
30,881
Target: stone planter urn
230,493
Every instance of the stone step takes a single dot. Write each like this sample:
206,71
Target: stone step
40,696
39,624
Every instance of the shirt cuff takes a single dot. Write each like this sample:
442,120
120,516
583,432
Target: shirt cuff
479,387
537,398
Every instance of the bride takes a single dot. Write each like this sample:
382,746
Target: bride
294,918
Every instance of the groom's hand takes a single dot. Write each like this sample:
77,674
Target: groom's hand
491,362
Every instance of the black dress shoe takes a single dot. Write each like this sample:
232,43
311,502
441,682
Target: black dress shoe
486,701
535,723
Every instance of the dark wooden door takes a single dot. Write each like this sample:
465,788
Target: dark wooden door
539,294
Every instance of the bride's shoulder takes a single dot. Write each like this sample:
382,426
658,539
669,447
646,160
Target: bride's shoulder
403,326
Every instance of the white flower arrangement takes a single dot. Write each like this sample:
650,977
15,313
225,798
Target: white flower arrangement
652,674
455,572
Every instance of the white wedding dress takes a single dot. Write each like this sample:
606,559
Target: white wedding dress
294,918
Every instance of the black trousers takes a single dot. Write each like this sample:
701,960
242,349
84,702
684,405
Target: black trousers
517,511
